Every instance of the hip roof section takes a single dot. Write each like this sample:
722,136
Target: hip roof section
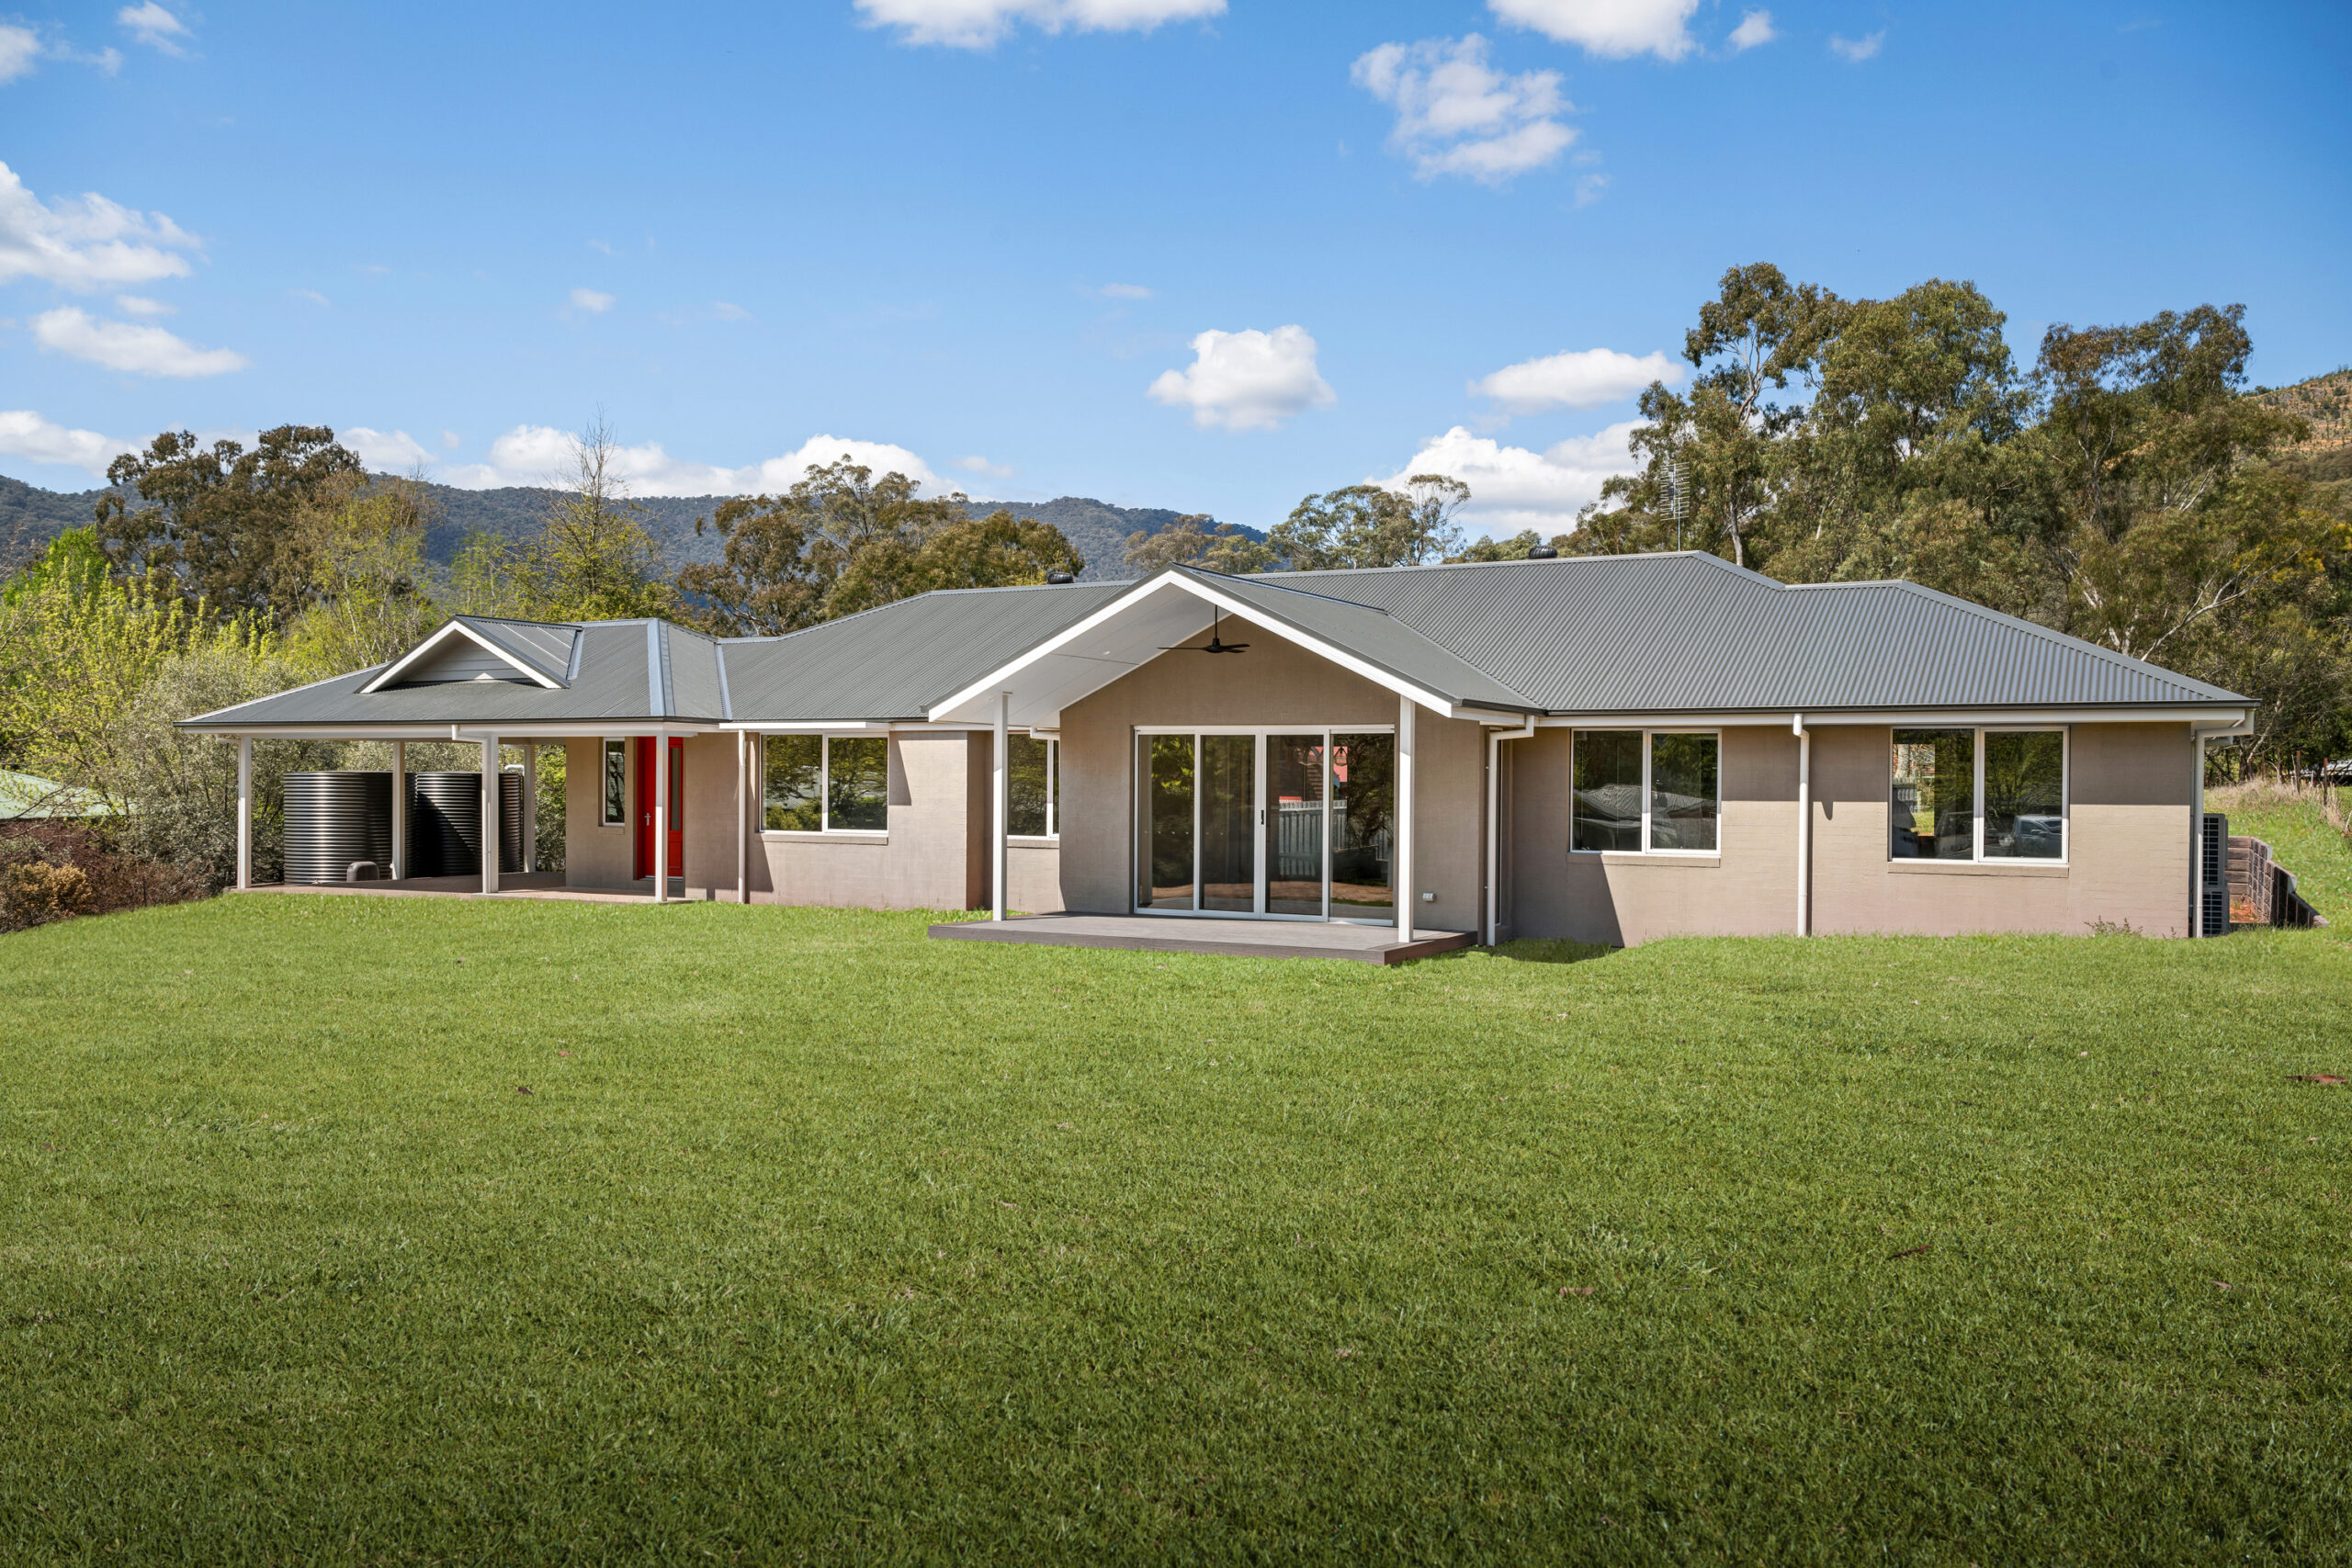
1573,637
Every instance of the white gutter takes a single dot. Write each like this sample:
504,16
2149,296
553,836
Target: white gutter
1805,823
1495,737
2242,725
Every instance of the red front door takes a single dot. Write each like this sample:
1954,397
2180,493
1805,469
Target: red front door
645,784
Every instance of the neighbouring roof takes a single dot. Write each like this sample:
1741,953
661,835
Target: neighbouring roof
1577,635
29,798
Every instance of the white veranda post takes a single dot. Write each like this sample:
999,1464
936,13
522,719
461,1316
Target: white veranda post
1401,838
662,806
245,811
745,750
400,810
1000,804
490,825
530,806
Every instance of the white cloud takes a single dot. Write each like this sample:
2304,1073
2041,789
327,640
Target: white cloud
1613,29
384,452
1854,51
451,440
24,434
118,345
1513,488
603,246
312,295
1245,380
85,244
1124,292
1577,379
539,455
154,26
1457,115
1755,27
140,305
978,24
20,49
981,466
727,312
590,300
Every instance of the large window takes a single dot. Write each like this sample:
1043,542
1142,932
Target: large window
1652,792
1978,794
836,783
1288,825
1036,787
616,783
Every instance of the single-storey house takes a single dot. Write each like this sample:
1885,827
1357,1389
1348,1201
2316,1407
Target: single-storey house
1610,749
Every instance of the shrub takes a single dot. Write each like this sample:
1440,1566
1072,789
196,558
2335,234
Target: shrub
49,871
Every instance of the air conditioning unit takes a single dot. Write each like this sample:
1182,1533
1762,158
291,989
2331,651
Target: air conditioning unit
2213,876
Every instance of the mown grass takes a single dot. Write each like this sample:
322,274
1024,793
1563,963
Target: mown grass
813,1238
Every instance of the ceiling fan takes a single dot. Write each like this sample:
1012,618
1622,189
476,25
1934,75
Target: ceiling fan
1217,643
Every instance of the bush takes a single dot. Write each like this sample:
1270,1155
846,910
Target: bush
51,871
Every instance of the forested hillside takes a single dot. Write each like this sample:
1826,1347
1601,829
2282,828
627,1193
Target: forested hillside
30,517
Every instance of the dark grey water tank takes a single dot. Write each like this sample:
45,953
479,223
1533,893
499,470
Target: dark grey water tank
333,820
445,824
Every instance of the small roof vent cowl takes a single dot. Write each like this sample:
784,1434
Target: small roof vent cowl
1545,552
1057,577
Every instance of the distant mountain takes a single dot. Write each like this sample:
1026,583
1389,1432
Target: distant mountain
30,518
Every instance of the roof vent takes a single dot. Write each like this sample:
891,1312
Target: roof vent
1057,579
1545,552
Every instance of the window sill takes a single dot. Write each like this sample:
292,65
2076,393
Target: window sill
837,836
1656,857
1033,840
1977,868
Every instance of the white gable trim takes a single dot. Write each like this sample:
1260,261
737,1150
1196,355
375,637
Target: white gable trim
392,671
1173,578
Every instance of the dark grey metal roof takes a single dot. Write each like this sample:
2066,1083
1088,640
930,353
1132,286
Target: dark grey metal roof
625,671
545,646
894,663
1598,635
1693,633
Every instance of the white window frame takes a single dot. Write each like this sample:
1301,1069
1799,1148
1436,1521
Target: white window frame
2066,733
1647,736
1053,833
824,790
603,766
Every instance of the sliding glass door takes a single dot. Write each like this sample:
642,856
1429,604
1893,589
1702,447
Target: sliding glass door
1275,824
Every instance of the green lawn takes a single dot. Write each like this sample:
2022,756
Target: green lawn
815,1239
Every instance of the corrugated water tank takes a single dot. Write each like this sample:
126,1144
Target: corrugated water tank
335,818
445,824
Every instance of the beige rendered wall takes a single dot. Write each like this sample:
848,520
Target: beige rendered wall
594,856
924,860
1275,683
1747,889
2130,789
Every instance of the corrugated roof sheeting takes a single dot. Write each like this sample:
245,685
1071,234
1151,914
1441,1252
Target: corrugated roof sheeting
1601,634
894,663
545,647
1580,635
614,683
1376,635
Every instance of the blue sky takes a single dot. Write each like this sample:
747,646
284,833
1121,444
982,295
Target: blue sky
985,239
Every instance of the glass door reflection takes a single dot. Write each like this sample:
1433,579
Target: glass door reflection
1228,826
1363,811
1167,823
1295,811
